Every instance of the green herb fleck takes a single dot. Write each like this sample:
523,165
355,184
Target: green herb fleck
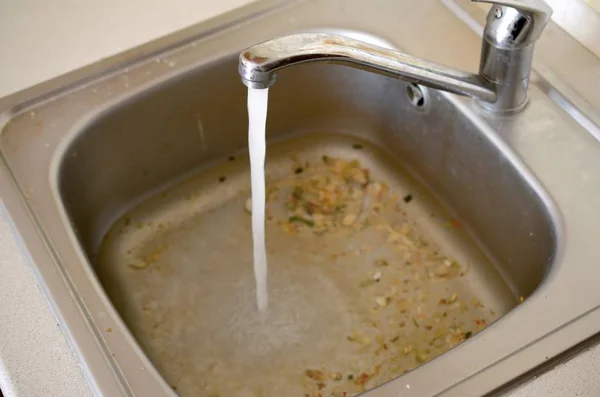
299,219
327,160
408,198
415,322
357,146
381,263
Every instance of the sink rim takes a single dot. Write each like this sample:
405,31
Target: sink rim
103,374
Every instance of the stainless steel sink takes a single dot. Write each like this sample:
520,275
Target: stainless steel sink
96,163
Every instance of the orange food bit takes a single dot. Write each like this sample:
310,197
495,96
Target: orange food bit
364,378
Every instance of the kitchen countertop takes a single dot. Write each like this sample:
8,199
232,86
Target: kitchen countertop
41,40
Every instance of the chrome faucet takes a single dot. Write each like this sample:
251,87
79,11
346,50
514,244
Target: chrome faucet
511,30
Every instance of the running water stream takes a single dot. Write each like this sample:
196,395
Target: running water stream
257,117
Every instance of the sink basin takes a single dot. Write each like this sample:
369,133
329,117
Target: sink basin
134,209
173,230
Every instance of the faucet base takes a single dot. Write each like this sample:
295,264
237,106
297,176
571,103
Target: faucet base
506,70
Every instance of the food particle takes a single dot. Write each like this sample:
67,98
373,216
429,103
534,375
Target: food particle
476,303
288,227
298,170
335,376
408,198
359,338
374,189
453,298
357,146
382,301
222,179
468,334
350,377
299,219
360,176
315,374
421,357
364,378
349,219
407,349
109,330
139,264
415,322
381,263
437,342
521,299
155,255
377,276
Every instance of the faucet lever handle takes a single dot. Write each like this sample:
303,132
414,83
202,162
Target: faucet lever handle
515,23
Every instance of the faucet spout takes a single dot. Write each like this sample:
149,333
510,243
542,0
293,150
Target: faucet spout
259,64
511,30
